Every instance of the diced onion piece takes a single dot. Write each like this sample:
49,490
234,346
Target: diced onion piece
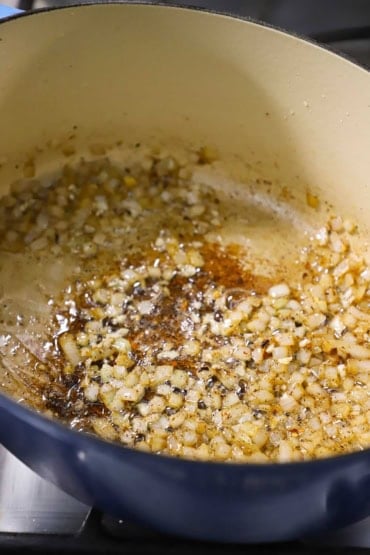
280,290
70,349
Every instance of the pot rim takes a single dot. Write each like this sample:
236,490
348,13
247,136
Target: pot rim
66,434
188,7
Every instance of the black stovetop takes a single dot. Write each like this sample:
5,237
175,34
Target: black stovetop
105,535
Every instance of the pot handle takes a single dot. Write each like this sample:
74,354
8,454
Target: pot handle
7,11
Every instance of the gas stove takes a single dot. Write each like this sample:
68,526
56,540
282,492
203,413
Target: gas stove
34,515
37,516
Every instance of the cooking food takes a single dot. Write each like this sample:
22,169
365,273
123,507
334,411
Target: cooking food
171,334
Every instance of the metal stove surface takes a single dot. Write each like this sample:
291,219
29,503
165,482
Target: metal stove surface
30,505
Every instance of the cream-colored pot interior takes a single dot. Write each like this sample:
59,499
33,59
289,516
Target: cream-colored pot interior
285,123
144,73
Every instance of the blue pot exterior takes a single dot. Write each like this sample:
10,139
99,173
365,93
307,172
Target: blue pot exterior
209,501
